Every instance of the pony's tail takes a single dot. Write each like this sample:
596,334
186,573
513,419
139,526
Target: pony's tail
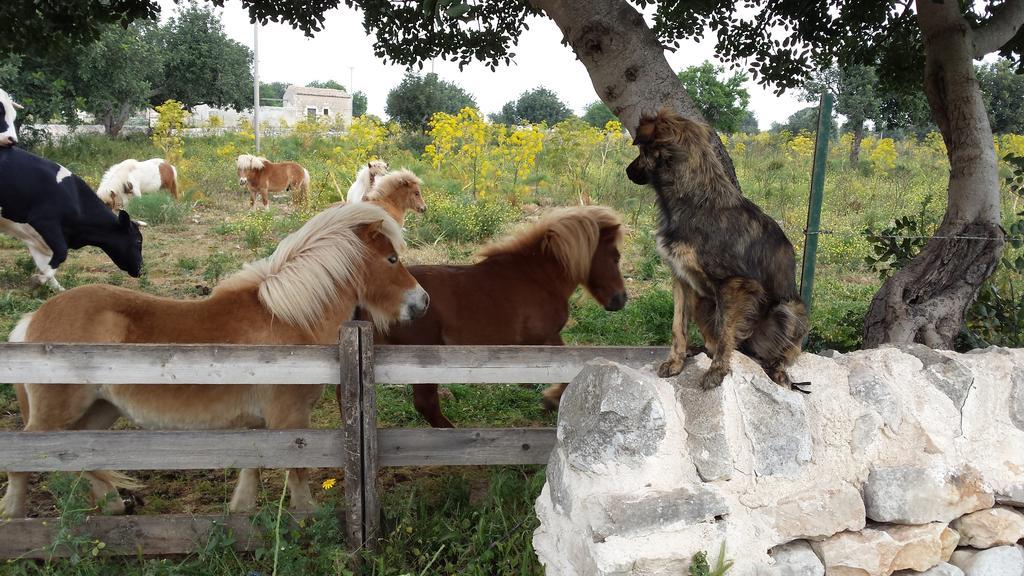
117,479
304,187
20,334
174,182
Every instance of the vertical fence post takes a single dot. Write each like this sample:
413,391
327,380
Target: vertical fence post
812,229
357,402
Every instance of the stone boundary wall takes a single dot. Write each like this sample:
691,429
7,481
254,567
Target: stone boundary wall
902,460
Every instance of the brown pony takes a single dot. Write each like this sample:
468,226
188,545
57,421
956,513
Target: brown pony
519,293
262,176
343,257
398,192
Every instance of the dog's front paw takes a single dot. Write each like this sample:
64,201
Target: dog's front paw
670,367
713,377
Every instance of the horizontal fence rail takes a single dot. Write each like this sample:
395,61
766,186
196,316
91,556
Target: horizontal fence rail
209,450
357,446
236,364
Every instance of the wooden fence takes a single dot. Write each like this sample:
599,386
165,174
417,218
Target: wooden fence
358,447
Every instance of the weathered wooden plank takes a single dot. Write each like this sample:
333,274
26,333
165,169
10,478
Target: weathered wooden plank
368,388
161,450
464,446
70,451
167,364
351,421
497,364
235,364
128,535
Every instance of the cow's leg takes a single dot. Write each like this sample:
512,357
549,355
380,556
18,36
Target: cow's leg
41,256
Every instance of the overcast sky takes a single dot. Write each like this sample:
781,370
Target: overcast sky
343,51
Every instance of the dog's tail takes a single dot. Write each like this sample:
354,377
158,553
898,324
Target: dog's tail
779,336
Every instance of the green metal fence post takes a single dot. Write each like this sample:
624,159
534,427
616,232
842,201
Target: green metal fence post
811,231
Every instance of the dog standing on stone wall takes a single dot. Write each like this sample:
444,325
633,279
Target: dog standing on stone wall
732,266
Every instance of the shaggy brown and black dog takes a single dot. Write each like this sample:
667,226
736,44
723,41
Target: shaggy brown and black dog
732,265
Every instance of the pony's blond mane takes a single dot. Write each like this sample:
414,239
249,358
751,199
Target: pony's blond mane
570,234
250,162
388,185
298,282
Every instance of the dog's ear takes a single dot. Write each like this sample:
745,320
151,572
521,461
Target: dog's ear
646,131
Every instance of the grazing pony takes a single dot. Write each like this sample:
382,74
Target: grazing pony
365,180
51,210
131,179
8,112
343,257
398,193
519,293
262,176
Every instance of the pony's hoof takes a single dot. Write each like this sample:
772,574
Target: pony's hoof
670,368
713,378
8,511
551,397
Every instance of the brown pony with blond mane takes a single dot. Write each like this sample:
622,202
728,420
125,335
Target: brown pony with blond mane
263,177
398,192
343,257
519,293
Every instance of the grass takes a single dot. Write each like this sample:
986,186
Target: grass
158,209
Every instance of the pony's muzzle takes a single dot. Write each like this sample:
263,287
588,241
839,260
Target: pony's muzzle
416,303
617,302
241,181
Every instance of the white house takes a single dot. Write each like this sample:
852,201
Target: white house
299,103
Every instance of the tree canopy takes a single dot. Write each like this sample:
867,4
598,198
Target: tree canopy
417,98
201,64
1003,91
597,114
534,106
723,102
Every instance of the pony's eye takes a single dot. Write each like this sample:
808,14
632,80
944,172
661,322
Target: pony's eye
393,259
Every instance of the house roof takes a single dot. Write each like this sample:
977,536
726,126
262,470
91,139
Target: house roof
305,91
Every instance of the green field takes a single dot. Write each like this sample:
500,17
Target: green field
480,181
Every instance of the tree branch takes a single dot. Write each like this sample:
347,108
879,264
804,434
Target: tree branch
1000,28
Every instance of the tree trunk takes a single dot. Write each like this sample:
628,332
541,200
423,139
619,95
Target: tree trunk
858,137
926,301
625,60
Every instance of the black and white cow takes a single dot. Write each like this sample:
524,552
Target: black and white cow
52,210
8,112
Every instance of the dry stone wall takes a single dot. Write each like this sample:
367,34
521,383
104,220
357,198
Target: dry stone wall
903,460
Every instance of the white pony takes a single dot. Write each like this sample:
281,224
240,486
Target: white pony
8,111
132,178
365,180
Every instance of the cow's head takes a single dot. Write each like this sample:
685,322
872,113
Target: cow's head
8,112
121,239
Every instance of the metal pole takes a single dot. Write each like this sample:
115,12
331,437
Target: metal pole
811,231
256,83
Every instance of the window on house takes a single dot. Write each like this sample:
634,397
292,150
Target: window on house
311,112
327,111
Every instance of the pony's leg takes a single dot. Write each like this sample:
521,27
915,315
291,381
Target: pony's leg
244,497
552,395
47,408
104,483
290,407
265,192
424,398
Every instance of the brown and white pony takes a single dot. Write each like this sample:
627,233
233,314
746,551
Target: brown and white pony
519,293
263,177
343,257
365,180
131,179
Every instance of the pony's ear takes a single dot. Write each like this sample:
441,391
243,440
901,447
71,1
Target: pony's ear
612,230
646,131
373,229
